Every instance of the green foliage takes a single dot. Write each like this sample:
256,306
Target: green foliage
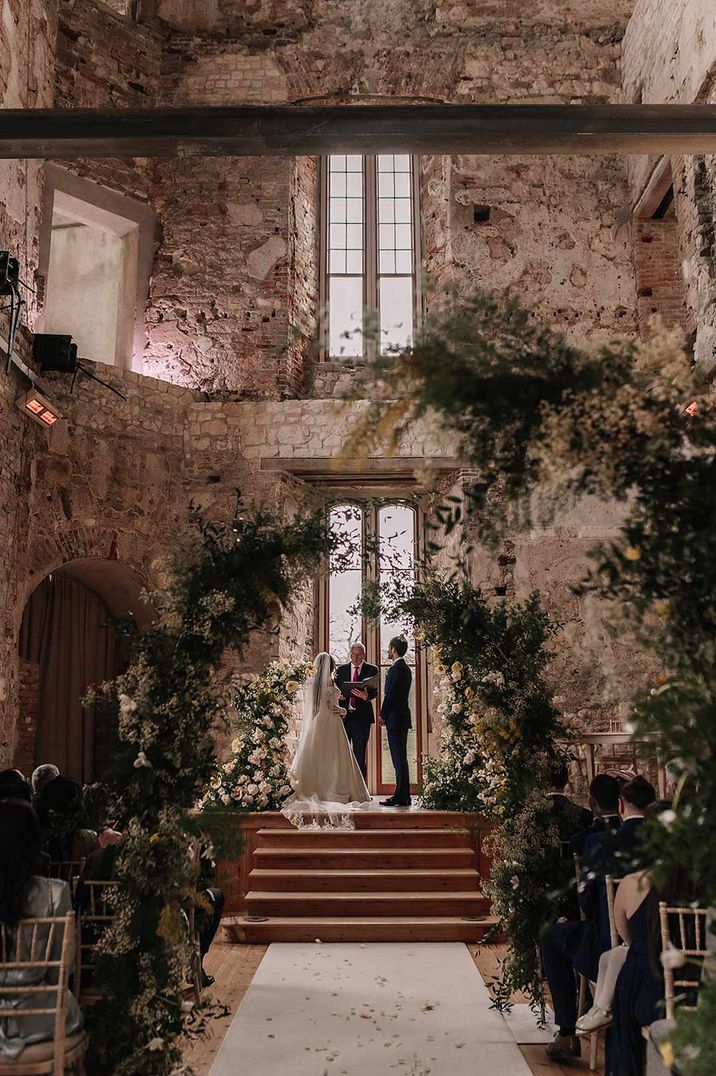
630,420
232,579
499,749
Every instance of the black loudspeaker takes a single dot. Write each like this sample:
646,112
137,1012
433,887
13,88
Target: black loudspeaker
9,272
55,352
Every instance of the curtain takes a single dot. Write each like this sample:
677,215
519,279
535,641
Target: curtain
67,630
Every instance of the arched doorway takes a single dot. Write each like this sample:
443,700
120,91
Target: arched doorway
69,640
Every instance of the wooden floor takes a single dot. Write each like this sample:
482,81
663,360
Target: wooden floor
234,967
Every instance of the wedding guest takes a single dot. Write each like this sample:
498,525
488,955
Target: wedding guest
571,817
60,810
42,775
395,716
564,940
639,992
604,805
24,894
359,717
13,786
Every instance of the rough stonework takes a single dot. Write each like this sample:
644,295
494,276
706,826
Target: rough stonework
233,392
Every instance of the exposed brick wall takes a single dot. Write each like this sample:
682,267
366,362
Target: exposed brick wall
658,273
29,708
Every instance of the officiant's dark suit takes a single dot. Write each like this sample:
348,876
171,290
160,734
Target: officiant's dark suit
359,712
395,715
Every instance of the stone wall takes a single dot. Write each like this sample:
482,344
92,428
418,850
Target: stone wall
669,55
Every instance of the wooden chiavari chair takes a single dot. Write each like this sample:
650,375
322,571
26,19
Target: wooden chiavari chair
93,917
692,944
28,947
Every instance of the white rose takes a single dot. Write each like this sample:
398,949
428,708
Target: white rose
292,686
456,708
126,704
225,799
236,744
672,958
252,789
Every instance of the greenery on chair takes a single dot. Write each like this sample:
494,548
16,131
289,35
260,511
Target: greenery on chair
233,579
541,421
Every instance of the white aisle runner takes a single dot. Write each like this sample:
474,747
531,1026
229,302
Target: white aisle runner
368,1010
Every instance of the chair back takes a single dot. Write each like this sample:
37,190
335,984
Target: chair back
611,885
68,870
30,947
96,912
691,929
578,878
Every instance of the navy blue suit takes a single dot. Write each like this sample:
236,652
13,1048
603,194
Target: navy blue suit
395,712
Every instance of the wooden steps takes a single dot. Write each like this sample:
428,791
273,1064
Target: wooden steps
367,905
356,929
378,880
363,859
398,876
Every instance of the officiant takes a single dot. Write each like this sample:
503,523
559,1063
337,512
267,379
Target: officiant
359,706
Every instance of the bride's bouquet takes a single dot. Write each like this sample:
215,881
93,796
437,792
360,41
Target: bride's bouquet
255,776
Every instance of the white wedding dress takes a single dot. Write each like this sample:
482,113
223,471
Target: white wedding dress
328,783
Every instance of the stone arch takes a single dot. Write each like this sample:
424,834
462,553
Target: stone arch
110,589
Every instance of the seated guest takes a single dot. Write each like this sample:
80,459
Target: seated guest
60,810
571,817
41,776
604,805
13,786
567,940
612,851
611,960
24,894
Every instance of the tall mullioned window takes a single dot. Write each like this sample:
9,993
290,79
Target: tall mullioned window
370,253
384,542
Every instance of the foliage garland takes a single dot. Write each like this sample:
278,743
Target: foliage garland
628,419
255,776
498,752
233,579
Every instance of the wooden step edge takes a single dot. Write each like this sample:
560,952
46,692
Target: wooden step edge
469,895
374,872
422,830
279,850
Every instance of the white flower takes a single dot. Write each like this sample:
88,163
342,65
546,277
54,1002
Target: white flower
442,708
629,727
284,790
258,736
667,818
672,958
236,745
225,799
238,793
515,882
274,742
142,762
292,686
252,789
456,708
155,1044
456,676
127,705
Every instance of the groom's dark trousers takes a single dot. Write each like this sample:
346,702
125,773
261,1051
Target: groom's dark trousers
359,717
395,712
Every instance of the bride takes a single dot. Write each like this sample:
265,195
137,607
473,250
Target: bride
326,777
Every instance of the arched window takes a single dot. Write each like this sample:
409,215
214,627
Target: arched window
384,538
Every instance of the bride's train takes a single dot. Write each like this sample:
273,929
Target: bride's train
328,784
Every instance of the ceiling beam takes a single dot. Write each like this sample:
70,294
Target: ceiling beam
295,131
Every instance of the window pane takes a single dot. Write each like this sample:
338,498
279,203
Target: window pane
337,263
396,524
396,312
354,163
387,261
401,162
354,207
354,262
338,162
403,261
354,236
344,588
403,237
338,236
386,210
354,184
345,315
402,210
338,184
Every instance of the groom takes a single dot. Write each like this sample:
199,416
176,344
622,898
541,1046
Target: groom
359,707
395,717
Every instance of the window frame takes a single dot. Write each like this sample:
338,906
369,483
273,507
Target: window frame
371,276
369,631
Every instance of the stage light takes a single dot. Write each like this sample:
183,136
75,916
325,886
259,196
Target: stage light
39,408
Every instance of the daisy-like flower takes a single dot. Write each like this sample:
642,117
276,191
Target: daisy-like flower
142,762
